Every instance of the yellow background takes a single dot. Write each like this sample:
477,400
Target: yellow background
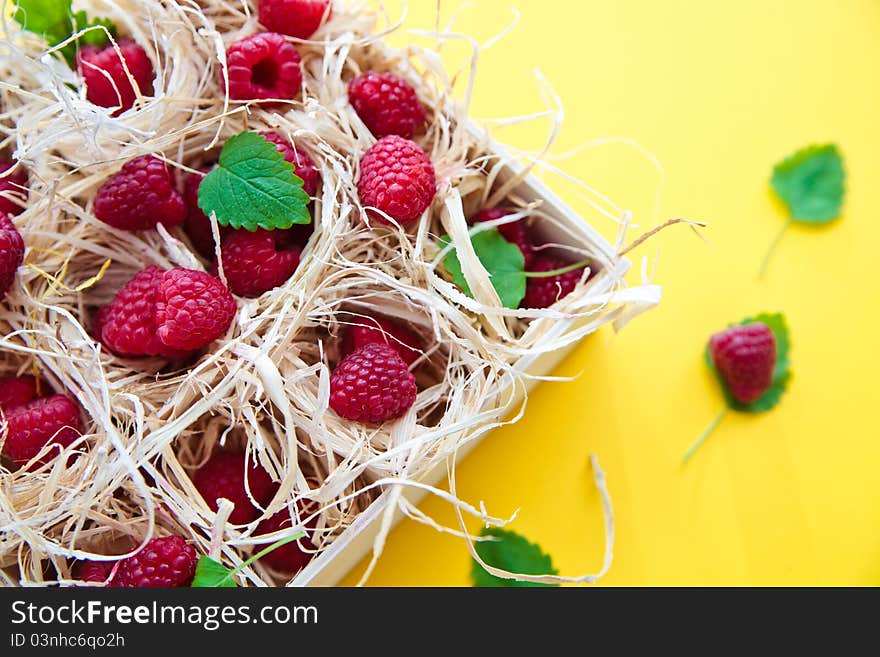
719,91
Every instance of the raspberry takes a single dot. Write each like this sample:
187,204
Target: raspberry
17,391
140,196
263,66
544,292
288,558
11,253
369,330
745,356
387,104
515,232
372,385
13,188
38,423
223,475
95,64
398,179
128,325
163,563
95,571
192,309
254,263
301,161
296,18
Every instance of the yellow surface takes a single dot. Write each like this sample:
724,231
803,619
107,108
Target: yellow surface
719,91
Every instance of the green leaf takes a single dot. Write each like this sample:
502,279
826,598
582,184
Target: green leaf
811,183
781,375
513,553
254,187
212,574
55,21
503,260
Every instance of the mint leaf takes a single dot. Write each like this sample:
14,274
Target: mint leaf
513,553
503,260
781,375
212,574
253,187
811,183
55,21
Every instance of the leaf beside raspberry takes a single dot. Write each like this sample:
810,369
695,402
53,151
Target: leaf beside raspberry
512,552
212,574
811,183
55,21
253,187
781,373
502,260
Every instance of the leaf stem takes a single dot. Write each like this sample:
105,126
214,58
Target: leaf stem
558,272
703,436
773,246
261,554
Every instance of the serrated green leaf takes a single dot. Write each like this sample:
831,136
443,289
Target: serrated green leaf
55,21
513,553
781,374
503,261
811,183
254,187
212,574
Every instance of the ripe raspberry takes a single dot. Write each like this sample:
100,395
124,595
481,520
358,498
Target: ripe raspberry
398,179
165,562
13,188
95,64
301,161
140,196
192,309
745,356
95,571
223,475
369,330
128,325
387,104
296,18
516,232
289,558
17,391
38,423
372,385
257,262
11,253
263,67
544,292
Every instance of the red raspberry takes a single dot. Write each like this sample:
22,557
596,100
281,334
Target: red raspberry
223,475
95,571
296,18
192,309
11,253
17,391
544,292
197,224
398,179
38,423
95,64
140,196
387,104
289,558
745,356
369,330
257,262
372,385
515,232
301,161
13,188
165,562
128,325
263,67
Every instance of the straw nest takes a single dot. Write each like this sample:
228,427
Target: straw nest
264,387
